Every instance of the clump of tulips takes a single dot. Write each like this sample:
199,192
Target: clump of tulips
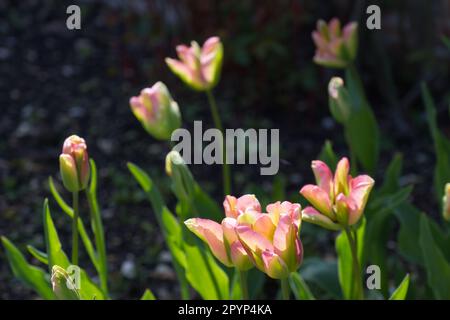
215,251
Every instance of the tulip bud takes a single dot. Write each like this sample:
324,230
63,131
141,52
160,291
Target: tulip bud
446,203
62,286
335,47
199,67
74,164
339,100
157,111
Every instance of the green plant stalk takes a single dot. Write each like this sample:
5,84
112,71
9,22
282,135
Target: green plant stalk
357,286
75,228
218,123
99,234
244,285
285,290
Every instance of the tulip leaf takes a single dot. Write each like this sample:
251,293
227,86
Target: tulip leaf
148,295
169,225
441,145
56,256
402,290
81,229
39,255
300,288
202,270
97,228
345,260
436,265
33,277
392,176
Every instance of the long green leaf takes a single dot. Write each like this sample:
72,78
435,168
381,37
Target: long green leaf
33,277
441,145
402,290
437,267
39,255
148,295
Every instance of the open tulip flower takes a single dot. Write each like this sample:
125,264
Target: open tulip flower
157,111
222,238
339,201
198,67
335,47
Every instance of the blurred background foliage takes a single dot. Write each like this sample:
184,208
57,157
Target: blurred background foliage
55,82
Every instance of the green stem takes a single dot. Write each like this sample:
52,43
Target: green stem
285,290
75,228
243,281
357,286
97,225
218,123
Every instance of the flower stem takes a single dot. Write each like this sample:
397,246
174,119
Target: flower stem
285,290
218,123
357,286
243,281
75,228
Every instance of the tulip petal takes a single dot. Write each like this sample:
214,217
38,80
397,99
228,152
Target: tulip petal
360,188
274,266
254,244
264,226
311,215
341,177
323,175
234,207
319,199
228,227
239,257
210,232
286,242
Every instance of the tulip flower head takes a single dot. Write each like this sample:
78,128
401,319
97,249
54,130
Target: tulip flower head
74,164
335,47
198,67
446,202
338,201
222,238
156,111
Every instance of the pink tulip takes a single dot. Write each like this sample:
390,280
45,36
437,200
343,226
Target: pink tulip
156,111
272,240
74,164
335,47
198,67
236,206
337,201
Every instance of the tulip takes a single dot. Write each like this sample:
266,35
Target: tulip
236,206
157,111
62,286
339,201
74,164
335,47
271,239
198,67
339,100
446,203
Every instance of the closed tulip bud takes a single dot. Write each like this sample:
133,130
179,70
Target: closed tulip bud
339,100
199,67
157,111
74,164
338,201
335,47
446,203
62,286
